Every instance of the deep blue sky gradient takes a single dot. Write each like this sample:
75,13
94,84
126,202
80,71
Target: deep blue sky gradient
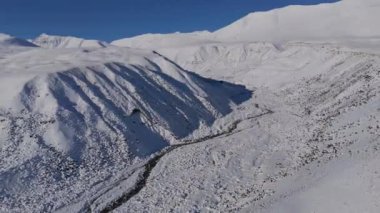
113,19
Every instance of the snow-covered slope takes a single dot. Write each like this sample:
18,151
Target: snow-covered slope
233,62
256,64
317,69
346,22
71,118
137,130
347,19
317,151
7,40
52,41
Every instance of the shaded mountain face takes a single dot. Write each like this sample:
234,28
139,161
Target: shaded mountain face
52,41
69,115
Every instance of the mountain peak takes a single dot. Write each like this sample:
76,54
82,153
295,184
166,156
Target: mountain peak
348,19
54,41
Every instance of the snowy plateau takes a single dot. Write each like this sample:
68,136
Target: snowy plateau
276,112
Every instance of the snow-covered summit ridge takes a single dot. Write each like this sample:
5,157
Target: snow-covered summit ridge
343,21
54,41
348,19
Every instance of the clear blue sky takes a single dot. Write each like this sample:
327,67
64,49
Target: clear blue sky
112,19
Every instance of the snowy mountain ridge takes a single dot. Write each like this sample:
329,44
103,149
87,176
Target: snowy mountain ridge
277,112
52,41
165,40
346,22
348,19
77,105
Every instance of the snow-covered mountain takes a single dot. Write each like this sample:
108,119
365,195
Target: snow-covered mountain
151,41
346,21
53,41
317,151
75,114
277,112
7,40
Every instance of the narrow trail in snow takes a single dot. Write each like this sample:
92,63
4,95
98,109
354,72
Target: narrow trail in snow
149,166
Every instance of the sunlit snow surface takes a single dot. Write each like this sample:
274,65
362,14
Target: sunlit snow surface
72,118
291,122
320,143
